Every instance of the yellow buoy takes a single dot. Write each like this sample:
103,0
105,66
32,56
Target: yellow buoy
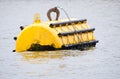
57,34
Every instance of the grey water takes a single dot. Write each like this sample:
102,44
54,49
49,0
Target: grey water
102,62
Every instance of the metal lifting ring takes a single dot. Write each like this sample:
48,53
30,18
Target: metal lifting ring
55,9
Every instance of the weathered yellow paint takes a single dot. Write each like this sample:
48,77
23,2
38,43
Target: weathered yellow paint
37,34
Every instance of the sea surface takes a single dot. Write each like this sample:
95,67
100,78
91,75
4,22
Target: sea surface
102,62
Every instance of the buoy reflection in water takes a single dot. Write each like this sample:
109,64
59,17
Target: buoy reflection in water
42,55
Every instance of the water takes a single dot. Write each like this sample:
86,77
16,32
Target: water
103,62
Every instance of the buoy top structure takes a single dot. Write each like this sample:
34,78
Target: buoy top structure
55,35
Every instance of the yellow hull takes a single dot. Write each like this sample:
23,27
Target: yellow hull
56,34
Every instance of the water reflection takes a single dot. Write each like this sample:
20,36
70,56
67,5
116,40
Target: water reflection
50,54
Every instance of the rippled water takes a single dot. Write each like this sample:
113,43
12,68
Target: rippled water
103,62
